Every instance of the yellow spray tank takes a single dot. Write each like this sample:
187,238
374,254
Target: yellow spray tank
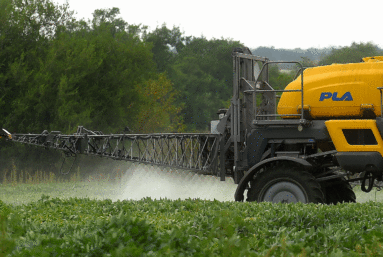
337,90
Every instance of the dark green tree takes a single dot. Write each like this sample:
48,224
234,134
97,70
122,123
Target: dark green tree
280,79
96,74
202,73
350,54
166,43
26,30
307,62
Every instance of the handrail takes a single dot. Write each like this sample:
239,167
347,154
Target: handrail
255,91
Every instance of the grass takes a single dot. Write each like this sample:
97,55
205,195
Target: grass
22,188
99,189
15,176
191,227
362,197
43,215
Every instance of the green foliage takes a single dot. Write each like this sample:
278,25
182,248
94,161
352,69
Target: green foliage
7,244
70,72
200,69
25,34
350,54
165,45
98,84
194,228
280,54
307,62
158,111
202,72
87,77
26,29
278,79
57,73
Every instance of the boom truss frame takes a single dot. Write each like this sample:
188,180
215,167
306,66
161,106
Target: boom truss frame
192,151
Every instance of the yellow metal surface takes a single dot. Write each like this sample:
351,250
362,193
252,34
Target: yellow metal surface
373,59
337,90
335,128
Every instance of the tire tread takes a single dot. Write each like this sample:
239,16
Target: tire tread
314,192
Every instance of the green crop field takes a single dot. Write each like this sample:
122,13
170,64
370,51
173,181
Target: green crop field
91,218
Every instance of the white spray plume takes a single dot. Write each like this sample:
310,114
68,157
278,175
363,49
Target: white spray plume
157,182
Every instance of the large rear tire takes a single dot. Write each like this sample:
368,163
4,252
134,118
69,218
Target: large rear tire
285,184
338,191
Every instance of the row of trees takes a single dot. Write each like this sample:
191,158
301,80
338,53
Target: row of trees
351,54
57,72
200,69
348,54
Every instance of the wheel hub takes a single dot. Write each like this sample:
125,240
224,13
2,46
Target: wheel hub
284,192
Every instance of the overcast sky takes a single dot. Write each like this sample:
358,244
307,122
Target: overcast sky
282,24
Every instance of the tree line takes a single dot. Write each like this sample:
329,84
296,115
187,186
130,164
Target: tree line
314,54
57,72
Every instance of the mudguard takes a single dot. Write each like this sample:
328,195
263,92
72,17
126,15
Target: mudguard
238,196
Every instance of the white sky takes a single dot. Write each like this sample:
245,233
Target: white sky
282,24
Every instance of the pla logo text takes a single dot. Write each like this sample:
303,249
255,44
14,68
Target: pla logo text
334,96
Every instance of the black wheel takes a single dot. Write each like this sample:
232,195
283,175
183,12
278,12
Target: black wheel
338,191
285,184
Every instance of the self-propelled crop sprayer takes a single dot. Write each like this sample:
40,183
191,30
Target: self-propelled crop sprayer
304,143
